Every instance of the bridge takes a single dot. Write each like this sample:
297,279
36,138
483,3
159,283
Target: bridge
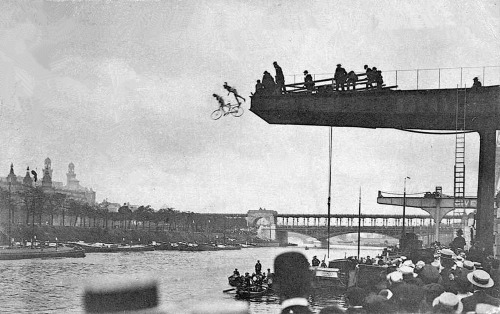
424,109
316,225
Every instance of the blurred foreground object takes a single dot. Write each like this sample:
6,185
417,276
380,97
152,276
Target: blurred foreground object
140,296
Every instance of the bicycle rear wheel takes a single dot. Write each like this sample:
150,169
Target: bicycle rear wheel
216,114
237,111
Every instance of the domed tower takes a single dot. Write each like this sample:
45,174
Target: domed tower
27,178
47,178
12,178
48,166
72,183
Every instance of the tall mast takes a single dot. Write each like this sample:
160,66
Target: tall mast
329,191
359,223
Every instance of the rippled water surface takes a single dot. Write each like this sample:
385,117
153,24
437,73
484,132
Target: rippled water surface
57,285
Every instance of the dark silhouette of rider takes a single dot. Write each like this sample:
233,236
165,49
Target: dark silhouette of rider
234,91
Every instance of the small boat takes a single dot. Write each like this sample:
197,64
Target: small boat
235,281
51,252
195,247
340,274
111,248
227,247
250,292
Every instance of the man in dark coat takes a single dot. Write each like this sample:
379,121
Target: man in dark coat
258,267
268,82
476,83
280,78
259,88
315,261
369,76
340,77
308,81
481,281
458,241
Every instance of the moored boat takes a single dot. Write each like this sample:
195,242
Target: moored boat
340,274
111,248
51,252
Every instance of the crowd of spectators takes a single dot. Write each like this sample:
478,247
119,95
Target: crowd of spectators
434,280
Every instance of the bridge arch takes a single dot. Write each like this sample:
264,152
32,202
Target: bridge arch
254,216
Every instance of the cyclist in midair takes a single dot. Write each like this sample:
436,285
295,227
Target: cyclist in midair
221,101
234,91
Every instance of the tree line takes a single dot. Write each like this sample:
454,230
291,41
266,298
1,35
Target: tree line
36,205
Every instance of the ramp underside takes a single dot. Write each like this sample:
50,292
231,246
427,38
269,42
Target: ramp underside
401,109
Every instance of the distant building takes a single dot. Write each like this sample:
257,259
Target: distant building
112,207
72,189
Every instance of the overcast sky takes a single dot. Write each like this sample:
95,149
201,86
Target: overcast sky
123,90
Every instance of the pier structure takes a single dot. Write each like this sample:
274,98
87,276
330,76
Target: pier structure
415,109
436,204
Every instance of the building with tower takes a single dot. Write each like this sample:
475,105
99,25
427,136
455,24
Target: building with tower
72,189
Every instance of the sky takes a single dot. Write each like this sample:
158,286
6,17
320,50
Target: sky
123,89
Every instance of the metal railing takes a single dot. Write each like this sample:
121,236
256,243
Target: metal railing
433,78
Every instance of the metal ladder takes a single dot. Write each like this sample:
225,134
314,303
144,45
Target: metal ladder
459,178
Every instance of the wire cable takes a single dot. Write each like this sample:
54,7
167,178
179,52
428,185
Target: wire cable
435,133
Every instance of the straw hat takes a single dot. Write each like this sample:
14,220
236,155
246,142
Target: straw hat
407,270
450,300
468,265
409,263
395,276
386,293
480,278
447,253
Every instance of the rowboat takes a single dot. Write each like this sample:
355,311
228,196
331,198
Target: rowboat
250,292
235,281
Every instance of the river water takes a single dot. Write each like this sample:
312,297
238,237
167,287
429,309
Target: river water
185,278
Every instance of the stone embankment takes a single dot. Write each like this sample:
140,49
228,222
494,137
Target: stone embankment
117,235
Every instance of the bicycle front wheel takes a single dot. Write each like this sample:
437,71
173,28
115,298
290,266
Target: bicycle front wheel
216,114
237,112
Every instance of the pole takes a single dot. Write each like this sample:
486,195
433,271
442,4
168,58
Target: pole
359,224
329,191
10,214
403,231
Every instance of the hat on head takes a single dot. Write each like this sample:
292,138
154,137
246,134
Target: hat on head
404,258
409,263
305,72
449,300
480,278
459,264
468,265
395,277
483,308
386,293
475,79
339,64
407,270
447,253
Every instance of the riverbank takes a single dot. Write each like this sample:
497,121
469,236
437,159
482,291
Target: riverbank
22,233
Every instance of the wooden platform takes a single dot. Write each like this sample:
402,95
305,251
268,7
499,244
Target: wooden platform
433,109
